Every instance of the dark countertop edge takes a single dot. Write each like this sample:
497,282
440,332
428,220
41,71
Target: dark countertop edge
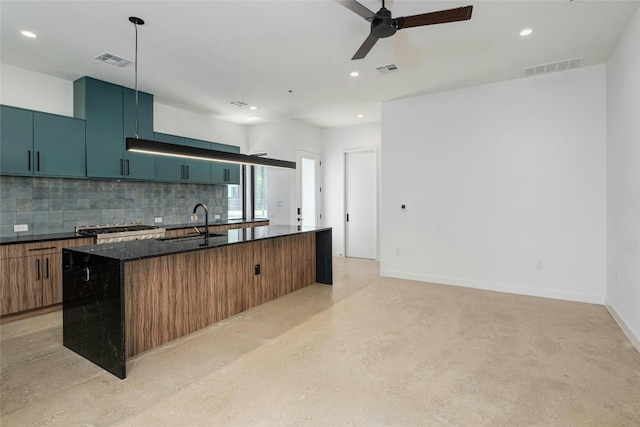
212,223
37,238
186,247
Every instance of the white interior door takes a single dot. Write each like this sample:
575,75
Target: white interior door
309,191
361,214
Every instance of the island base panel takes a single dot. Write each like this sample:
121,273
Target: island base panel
92,310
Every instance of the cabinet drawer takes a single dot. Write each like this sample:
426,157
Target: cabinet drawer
27,249
41,248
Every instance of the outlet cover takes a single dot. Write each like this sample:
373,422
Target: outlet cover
194,217
157,220
20,227
216,216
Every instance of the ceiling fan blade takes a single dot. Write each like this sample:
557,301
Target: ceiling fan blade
365,48
356,7
440,17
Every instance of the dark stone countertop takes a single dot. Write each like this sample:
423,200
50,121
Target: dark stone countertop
36,238
140,249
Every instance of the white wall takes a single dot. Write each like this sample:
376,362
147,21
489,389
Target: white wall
35,91
623,182
497,178
335,142
280,141
176,121
40,92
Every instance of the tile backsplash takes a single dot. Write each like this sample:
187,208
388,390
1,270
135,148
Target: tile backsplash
55,205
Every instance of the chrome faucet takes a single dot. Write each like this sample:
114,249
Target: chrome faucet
206,220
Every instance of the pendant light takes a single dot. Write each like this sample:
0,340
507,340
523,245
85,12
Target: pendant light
173,150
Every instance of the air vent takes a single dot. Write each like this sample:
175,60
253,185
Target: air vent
552,67
112,59
386,69
238,103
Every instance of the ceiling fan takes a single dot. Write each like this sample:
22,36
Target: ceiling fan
383,25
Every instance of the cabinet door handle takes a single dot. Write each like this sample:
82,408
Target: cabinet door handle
181,171
127,167
41,249
46,268
347,217
29,159
87,274
121,166
38,160
37,269
187,171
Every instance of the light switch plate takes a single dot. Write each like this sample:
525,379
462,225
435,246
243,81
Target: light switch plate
216,216
157,220
194,217
20,227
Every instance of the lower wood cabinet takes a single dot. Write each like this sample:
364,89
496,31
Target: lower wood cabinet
32,274
170,296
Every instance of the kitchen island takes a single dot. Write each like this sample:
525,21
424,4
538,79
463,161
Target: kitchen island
124,298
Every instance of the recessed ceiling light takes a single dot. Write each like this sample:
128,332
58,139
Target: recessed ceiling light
359,116
354,74
253,107
526,32
252,119
28,34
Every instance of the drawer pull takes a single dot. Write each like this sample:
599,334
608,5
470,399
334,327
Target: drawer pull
41,249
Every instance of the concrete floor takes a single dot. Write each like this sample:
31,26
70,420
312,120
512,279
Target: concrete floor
368,351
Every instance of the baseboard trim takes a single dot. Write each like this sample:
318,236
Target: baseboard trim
635,340
498,287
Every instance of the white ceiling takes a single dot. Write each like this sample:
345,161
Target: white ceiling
200,55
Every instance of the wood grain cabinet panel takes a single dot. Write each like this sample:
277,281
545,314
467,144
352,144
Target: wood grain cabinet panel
19,289
31,275
171,296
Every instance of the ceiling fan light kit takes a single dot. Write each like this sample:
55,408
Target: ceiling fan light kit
384,25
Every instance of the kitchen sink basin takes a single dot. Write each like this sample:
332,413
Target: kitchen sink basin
187,237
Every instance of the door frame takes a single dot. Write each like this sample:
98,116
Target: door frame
301,153
376,192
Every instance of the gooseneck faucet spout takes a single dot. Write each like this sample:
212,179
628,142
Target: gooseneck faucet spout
206,220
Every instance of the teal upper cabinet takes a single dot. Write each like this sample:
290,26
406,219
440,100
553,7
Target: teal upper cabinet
138,165
198,170
233,174
182,170
225,173
58,142
169,168
110,114
35,143
100,104
16,141
218,169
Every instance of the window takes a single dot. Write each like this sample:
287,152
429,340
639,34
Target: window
260,192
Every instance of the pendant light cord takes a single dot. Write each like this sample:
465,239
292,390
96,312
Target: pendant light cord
136,82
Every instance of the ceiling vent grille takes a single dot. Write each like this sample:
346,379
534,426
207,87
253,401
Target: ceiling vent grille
112,59
387,69
552,67
238,103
